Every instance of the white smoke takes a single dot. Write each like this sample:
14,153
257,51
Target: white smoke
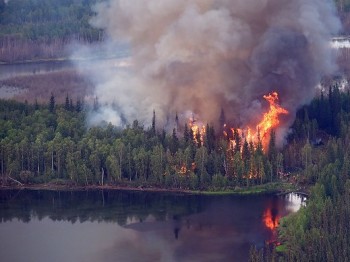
206,55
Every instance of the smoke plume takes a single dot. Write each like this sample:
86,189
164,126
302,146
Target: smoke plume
202,56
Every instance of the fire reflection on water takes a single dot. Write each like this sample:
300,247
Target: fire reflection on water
271,220
275,211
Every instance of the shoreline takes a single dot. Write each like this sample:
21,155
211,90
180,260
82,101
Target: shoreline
33,61
269,188
65,59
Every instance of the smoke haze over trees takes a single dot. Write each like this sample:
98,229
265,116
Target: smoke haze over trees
188,55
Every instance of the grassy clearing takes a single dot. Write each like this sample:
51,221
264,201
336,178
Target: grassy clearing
276,187
281,248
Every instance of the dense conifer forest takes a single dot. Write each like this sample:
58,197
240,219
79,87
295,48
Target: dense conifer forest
42,143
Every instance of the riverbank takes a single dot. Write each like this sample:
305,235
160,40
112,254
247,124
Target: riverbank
34,61
269,188
119,54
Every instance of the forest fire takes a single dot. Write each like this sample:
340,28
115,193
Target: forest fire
269,122
198,131
270,119
261,132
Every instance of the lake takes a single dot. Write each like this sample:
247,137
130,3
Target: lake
136,226
85,61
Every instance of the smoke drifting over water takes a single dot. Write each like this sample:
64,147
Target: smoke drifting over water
202,56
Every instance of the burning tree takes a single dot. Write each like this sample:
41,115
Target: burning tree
247,149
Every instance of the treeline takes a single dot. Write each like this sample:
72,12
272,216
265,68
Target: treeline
106,205
47,20
320,231
52,19
32,29
42,143
41,29
316,133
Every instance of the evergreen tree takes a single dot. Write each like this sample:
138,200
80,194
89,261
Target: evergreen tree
153,129
67,105
198,138
176,122
36,105
187,135
52,104
210,138
259,146
174,143
272,152
79,105
245,151
71,106
222,118
237,139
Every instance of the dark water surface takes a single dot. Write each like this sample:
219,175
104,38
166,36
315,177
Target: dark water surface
135,226
13,70
44,67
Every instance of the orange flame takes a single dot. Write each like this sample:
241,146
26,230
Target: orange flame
269,121
197,129
183,170
271,222
271,118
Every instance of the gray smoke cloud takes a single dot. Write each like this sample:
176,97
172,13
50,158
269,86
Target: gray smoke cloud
201,56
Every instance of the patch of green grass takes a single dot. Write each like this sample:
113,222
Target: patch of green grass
281,248
61,182
259,189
